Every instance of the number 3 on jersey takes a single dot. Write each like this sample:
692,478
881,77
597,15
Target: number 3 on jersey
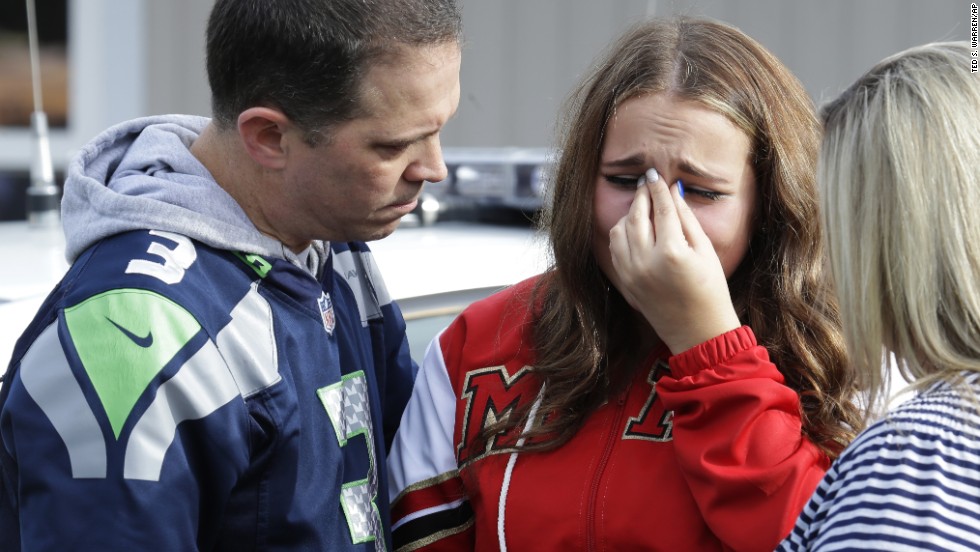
175,263
347,405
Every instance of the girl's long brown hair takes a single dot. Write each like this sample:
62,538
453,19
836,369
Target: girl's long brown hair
585,335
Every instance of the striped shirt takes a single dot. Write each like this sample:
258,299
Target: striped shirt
911,481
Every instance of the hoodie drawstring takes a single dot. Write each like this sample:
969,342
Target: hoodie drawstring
502,505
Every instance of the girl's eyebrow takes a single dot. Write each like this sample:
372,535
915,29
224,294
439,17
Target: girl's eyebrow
629,161
693,169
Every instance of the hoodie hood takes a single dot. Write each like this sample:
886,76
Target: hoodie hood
141,175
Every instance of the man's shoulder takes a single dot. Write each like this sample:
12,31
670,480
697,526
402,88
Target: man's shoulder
148,270
167,257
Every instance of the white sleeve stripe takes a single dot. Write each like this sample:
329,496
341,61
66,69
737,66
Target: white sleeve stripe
201,386
427,511
423,447
49,380
248,344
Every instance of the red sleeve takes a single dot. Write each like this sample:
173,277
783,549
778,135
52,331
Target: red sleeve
739,441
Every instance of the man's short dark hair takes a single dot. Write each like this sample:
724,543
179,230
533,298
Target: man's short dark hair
307,57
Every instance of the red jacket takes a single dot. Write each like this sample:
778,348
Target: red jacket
702,451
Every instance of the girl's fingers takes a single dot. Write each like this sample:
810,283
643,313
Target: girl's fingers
666,224
618,243
690,226
637,226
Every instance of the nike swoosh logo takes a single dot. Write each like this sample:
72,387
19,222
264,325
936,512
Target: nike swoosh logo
141,341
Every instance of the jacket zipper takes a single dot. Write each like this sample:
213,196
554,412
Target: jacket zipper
613,436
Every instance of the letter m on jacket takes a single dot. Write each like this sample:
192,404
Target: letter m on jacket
490,395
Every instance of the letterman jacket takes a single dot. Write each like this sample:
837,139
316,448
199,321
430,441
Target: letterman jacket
702,451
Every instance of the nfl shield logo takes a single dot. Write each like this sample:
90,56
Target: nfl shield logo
326,312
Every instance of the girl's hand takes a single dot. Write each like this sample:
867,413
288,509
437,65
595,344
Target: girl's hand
667,269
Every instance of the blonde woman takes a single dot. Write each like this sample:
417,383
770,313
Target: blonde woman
899,171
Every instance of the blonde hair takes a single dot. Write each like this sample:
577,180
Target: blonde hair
899,169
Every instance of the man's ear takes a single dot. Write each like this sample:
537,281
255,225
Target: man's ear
263,133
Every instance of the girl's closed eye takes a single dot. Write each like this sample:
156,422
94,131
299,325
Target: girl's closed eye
623,180
689,191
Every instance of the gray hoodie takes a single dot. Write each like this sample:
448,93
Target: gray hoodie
140,174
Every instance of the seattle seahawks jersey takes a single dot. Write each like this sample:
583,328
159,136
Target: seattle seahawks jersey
173,396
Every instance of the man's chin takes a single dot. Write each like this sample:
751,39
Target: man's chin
381,232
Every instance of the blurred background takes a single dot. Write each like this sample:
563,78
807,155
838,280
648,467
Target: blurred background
105,61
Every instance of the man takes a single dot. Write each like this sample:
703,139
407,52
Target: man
221,367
